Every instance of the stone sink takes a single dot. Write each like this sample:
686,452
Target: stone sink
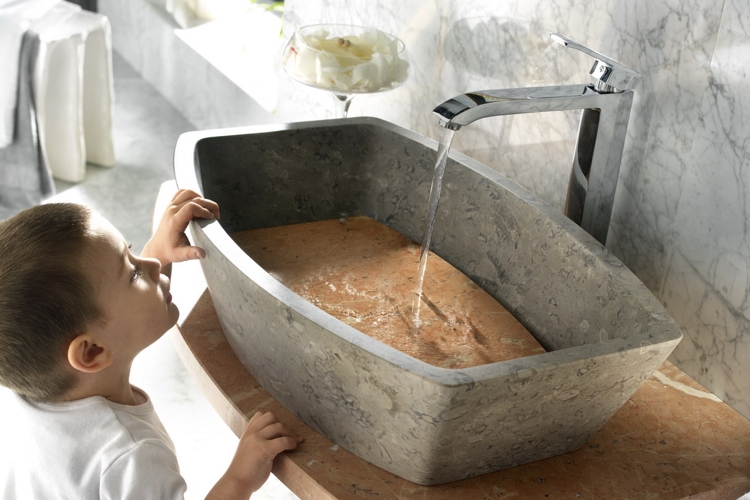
605,333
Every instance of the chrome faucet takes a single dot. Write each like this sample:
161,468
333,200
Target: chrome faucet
601,135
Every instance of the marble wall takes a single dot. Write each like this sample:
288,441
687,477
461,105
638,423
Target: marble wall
707,272
682,211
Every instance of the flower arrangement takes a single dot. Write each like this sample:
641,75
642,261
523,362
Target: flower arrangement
367,60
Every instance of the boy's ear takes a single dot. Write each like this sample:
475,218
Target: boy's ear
86,356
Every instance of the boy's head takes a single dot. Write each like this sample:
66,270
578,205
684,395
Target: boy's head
74,301
46,297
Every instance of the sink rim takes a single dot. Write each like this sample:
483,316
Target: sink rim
663,330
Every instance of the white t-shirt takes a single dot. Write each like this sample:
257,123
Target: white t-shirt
90,448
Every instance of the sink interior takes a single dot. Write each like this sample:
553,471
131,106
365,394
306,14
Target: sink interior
536,267
603,330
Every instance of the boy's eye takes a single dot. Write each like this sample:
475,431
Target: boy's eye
137,272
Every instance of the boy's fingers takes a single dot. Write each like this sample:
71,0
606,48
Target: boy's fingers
189,253
281,444
193,198
275,430
190,211
260,420
209,205
268,426
275,437
183,195
256,416
212,206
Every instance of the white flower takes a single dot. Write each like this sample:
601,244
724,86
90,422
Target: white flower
368,62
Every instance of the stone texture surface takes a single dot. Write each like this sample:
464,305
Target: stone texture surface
680,213
604,331
671,440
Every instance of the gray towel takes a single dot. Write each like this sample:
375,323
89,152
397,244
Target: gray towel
25,178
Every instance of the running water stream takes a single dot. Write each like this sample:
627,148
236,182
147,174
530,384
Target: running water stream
446,137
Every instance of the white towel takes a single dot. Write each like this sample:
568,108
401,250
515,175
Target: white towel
15,18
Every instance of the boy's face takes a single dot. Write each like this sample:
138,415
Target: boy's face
131,292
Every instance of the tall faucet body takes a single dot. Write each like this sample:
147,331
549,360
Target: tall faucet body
601,135
598,151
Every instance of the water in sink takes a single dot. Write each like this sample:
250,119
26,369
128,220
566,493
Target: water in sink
363,273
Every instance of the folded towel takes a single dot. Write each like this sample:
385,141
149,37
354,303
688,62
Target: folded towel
15,18
25,178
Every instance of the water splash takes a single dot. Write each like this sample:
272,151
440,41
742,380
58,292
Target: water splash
446,137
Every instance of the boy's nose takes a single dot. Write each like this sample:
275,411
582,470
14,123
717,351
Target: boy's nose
154,268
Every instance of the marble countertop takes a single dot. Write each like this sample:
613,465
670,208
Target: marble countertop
671,440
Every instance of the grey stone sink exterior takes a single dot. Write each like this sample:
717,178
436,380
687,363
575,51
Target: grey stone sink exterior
605,333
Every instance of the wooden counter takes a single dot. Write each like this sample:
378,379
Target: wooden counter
671,440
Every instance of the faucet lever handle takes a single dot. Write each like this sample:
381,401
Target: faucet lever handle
609,74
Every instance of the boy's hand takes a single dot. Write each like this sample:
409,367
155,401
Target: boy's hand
169,242
263,439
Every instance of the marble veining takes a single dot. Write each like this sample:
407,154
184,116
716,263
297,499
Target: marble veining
690,391
707,283
681,199
682,186
449,42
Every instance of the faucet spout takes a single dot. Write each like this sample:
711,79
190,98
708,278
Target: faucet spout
605,114
598,150
467,108
603,128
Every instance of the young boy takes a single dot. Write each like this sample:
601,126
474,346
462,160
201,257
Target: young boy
76,307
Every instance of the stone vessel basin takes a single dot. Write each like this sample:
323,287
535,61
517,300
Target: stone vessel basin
605,333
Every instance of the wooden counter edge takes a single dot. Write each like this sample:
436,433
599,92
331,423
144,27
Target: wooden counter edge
288,472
